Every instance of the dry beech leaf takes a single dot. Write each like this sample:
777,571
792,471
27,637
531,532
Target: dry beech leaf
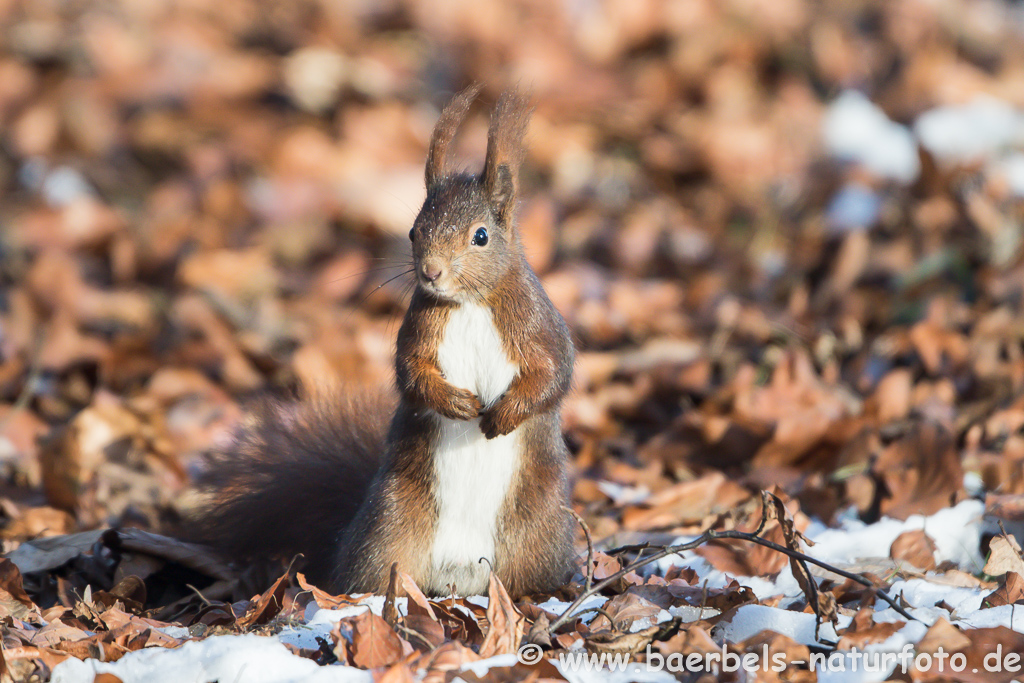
390,612
1004,556
452,656
632,643
506,623
740,558
539,633
267,606
323,599
921,472
11,586
1010,593
374,643
624,609
418,602
863,630
822,602
916,548
397,673
459,625
423,630
605,566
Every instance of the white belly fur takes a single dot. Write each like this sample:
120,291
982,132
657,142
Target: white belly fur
473,474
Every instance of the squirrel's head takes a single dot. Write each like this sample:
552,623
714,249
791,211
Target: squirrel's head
464,240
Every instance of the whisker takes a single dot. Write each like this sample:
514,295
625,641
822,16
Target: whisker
472,283
370,270
372,291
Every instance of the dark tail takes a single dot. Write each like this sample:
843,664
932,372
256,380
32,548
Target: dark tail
292,481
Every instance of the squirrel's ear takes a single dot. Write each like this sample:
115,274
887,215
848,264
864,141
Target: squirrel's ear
505,151
444,133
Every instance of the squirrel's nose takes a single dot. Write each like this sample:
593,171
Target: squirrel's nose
431,272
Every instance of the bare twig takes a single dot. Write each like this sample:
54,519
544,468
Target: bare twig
590,545
713,535
199,593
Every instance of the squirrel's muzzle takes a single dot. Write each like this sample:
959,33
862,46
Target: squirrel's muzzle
431,270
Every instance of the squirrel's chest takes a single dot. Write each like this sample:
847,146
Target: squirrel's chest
473,474
472,356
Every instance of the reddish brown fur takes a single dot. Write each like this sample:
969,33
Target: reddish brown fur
397,503
444,133
274,489
505,151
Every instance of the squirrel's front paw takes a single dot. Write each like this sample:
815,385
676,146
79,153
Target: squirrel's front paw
498,421
461,404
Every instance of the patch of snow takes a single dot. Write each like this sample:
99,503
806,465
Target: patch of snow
855,207
319,624
922,593
855,129
624,495
33,172
478,600
749,620
689,613
173,631
956,532
481,667
376,603
973,483
64,186
254,659
647,622
1011,169
558,607
851,669
1011,616
633,673
970,132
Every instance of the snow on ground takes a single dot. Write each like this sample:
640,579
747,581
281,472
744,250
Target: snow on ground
969,132
856,129
254,659
986,131
956,532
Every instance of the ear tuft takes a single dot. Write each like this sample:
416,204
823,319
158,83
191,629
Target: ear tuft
505,151
444,132
502,191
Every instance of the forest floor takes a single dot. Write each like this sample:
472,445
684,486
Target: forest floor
790,250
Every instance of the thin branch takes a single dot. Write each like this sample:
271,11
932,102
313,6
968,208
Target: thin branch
590,545
707,537
199,593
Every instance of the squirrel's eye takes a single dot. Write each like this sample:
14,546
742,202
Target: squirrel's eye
480,237
412,234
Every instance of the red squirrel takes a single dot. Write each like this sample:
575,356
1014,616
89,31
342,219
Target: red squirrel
472,473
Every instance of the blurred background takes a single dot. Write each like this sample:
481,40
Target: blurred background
786,235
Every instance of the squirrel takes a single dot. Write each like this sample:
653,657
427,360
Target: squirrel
471,474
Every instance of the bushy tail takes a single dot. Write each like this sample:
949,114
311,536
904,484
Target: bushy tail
292,481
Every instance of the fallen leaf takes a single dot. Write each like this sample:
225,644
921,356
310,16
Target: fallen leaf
916,548
1004,556
506,624
374,643
1010,593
